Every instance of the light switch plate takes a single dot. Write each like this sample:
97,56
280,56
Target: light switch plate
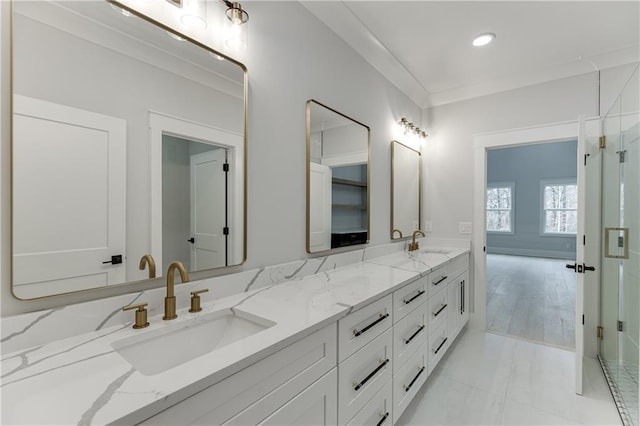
465,227
427,226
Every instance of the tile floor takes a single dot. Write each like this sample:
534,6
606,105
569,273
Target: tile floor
488,379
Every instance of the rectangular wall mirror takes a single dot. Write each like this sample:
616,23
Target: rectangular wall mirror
337,179
405,190
128,140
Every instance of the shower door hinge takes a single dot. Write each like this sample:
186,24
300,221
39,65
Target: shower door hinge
620,326
600,332
602,142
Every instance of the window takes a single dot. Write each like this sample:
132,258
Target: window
499,208
559,207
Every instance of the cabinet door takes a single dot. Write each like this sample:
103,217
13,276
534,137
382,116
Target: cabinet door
317,405
463,316
453,316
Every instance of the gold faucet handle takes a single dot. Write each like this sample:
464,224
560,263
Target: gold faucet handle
195,300
141,314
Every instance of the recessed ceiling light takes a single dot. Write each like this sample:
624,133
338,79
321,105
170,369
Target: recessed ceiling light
483,39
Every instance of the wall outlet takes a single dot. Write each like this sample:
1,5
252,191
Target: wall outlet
427,226
465,227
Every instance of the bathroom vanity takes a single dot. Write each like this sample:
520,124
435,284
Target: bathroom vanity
350,342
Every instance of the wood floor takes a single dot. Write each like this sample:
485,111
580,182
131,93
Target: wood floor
531,298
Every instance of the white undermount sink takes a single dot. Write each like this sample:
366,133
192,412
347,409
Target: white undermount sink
436,250
154,351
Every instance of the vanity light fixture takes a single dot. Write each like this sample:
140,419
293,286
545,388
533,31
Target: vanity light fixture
194,13
483,39
409,128
235,13
237,31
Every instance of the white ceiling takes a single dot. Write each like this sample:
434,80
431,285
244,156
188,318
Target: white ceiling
424,47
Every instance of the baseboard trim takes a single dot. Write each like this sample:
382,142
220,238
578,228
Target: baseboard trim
532,253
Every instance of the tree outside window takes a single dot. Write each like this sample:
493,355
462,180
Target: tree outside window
499,208
560,204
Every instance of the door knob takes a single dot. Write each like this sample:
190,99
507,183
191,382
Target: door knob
192,240
569,266
115,260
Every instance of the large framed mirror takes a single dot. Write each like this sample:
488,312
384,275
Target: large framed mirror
128,149
405,190
337,179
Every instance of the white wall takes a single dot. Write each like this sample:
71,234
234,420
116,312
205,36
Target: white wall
289,61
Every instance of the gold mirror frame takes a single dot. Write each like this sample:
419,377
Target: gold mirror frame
244,125
309,122
395,232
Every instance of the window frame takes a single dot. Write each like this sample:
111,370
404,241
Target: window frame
543,217
512,187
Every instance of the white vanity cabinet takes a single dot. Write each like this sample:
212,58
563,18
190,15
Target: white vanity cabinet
365,354
295,385
364,370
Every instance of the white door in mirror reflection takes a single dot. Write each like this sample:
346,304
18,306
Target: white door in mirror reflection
208,210
320,207
68,198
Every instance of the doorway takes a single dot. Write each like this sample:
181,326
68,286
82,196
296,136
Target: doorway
531,224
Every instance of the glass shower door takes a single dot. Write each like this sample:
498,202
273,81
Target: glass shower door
620,273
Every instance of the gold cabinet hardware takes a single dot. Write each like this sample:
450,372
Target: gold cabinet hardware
141,315
170,299
413,245
195,300
147,260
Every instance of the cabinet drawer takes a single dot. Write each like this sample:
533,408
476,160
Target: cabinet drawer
316,405
409,297
438,345
363,374
409,334
272,381
438,279
362,326
438,310
378,411
408,380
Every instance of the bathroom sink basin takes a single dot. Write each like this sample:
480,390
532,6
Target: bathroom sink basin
435,250
155,351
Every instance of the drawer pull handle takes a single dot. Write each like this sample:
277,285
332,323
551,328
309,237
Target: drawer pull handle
440,346
407,341
440,310
359,332
442,278
382,420
418,294
407,387
357,386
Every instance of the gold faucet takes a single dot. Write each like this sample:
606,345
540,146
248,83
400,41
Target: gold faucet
147,260
394,232
170,299
414,244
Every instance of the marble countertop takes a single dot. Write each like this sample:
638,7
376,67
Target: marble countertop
83,380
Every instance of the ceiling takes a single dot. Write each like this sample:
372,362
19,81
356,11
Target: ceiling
424,47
